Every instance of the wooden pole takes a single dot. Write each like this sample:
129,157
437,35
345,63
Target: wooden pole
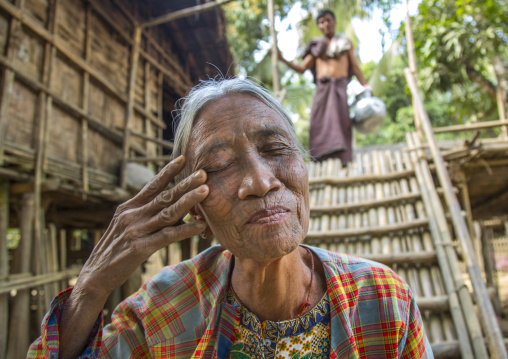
275,49
19,324
487,314
184,13
130,105
4,264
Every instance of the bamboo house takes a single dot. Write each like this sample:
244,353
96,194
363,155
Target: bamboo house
87,90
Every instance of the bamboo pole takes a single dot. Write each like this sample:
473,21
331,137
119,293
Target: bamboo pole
372,177
4,264
501,109
184,13
7,81
27,281
86,100
461,306
470,126
491,326
275,49
412,63
19,324
130,105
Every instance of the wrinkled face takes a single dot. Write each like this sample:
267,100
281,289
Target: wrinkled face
326,24
258,203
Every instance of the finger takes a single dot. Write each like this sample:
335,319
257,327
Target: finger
157,184
169,197
167,235
170,215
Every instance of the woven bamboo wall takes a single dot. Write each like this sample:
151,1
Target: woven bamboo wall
66,73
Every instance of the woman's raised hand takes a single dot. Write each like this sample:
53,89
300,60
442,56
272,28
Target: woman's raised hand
141,226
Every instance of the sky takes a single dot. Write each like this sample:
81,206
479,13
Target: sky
370,48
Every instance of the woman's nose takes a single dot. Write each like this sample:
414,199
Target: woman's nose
258,179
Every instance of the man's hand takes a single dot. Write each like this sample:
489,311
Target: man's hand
140,227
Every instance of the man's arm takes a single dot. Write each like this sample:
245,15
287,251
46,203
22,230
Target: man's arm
307,63
356,69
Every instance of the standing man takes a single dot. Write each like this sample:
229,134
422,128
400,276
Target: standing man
332,61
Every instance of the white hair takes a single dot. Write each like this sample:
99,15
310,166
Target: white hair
213,89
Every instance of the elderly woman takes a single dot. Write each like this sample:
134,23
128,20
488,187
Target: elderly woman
260,294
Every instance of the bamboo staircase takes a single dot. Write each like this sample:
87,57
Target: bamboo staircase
385,206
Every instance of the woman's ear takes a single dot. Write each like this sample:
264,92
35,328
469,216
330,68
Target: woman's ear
196,213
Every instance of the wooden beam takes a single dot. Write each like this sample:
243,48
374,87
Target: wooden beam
184,13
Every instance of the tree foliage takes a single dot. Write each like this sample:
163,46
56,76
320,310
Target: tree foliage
462,50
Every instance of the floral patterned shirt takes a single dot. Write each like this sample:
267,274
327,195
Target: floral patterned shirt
305,337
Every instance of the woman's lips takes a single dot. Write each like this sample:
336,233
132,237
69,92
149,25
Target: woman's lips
269,215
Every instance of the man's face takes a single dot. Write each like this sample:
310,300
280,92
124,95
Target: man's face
258,204
326,24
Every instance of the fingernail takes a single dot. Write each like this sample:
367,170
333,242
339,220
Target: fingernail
179,159
202,189
198,174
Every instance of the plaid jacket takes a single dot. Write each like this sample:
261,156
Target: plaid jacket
181,313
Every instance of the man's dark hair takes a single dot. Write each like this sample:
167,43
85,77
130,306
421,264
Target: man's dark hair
323,13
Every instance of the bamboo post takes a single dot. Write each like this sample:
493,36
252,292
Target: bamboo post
4,264
487,314
160,110
86,99
62,242
501,109
275,50
412,63
184,13
130,104
19,324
